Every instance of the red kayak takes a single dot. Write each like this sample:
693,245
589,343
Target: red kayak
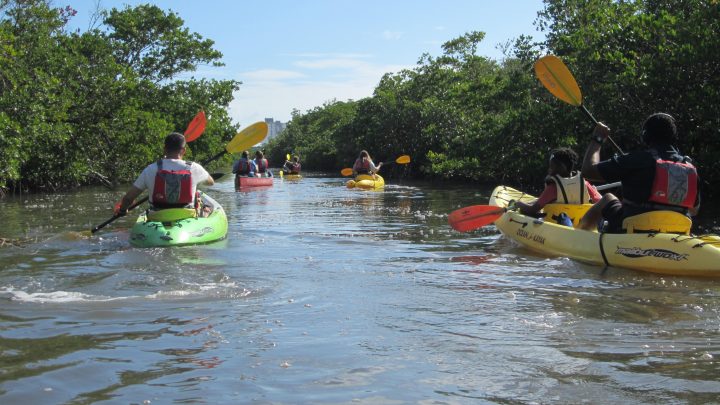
249,182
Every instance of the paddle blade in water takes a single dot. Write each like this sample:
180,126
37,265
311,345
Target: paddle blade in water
196,127
403,160
346,171
474,217
556,77
248,137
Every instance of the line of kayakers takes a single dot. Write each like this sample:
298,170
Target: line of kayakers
656,178
257,167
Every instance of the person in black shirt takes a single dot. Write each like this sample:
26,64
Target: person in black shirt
657,178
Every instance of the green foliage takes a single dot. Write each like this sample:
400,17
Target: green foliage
94,107
463,116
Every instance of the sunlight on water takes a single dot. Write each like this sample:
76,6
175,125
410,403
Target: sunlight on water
321,294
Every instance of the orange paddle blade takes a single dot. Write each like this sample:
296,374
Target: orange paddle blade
346,171
196,127
403,160
473,217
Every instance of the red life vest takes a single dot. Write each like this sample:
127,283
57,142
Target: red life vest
362,166
243,167
262,165
675,183
173,188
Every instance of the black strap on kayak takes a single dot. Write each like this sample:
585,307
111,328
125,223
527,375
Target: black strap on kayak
602,250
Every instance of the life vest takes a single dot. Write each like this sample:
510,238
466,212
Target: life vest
571,190
295,168
262,165
362,166
243,167
675,183
173,188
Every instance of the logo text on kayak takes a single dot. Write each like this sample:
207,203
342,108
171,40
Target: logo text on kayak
635,252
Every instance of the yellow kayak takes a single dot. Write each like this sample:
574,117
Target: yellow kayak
655,252
367,182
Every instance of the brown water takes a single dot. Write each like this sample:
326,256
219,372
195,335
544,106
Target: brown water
326,295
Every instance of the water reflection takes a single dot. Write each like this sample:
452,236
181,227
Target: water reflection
322,294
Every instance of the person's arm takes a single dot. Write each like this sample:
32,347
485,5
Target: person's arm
207,179
592,153
128,200
548,195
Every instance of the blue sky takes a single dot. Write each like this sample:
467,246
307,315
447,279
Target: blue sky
300,54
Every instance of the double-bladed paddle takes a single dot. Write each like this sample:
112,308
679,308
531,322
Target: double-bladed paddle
402,160
196,127
556,77
244,139
469,218
475,216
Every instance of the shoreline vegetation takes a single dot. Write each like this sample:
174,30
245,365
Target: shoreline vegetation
92,108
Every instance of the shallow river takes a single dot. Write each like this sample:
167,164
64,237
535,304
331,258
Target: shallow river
326,295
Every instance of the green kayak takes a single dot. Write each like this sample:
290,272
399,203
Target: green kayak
180,226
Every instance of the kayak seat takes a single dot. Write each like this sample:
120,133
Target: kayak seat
574,211
658,221
171,214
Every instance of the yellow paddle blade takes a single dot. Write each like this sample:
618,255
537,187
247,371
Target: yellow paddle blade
248,137
287,157
556,77
346,171
403,160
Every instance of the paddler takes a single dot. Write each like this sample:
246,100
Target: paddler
657,178
171,181
364,165
292,167
244,166
563,184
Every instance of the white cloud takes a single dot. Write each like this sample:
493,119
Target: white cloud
392,35
267,93
337,63
272,74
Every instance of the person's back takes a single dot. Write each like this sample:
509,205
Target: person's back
657,178
294,166
261,164
171,182
563,184
243,166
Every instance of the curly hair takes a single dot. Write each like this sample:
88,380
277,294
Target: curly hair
565,156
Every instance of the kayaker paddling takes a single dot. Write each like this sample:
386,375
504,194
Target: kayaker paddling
244,166
658,178
171,181
292,167
563,184
365,165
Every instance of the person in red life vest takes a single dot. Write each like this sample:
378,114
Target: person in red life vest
658,178
244,166
563,184
261,165
292,167
364,164
171,181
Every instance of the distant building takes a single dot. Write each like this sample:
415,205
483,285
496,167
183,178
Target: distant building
274,128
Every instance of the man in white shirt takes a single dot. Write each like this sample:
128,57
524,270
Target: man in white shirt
171,182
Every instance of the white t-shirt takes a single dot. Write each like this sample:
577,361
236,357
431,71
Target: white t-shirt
146,180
